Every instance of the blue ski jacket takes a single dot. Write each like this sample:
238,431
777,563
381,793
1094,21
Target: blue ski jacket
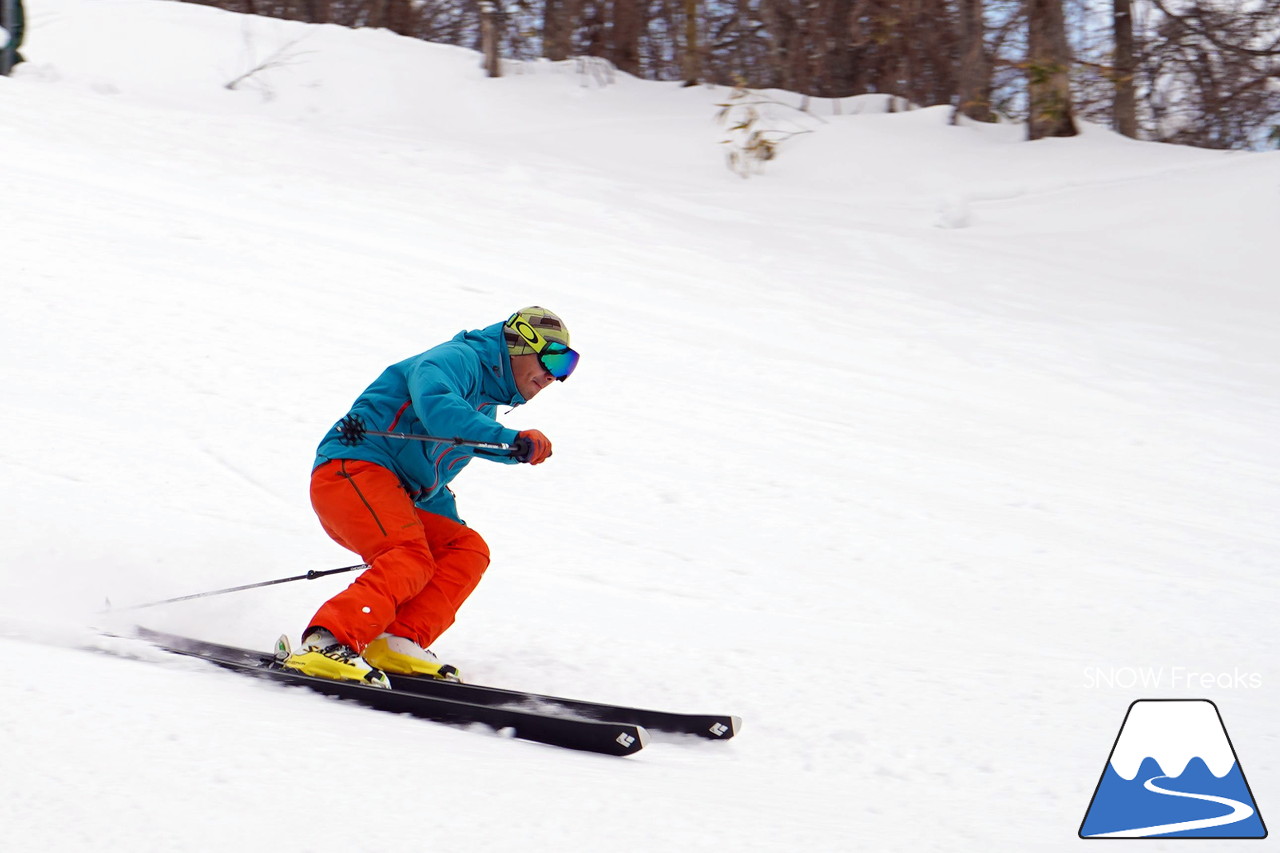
451,391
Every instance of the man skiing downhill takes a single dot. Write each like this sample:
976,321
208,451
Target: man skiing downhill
388,499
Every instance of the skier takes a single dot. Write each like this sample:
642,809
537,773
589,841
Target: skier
388,499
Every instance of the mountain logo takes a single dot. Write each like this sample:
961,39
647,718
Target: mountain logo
1172,773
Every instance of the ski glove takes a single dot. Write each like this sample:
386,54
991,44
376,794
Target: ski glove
532,446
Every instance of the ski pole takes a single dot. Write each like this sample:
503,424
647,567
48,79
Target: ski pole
352,430
311,575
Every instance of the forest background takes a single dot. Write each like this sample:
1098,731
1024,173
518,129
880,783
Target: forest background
1194,72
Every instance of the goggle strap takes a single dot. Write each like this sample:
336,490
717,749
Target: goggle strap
527,333
538,343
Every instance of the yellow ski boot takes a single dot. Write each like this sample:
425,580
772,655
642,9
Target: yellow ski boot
323,656
402,656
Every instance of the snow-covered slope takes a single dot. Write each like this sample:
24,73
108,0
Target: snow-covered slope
892,451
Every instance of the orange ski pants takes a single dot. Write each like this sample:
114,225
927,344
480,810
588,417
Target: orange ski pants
422,566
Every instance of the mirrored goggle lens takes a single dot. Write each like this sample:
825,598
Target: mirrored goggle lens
558,359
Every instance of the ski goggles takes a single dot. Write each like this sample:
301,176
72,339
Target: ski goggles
559,359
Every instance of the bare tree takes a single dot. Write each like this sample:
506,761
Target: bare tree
1212,71
973,77
691,59
559,19
1125,102
490,36
626,18
1048,67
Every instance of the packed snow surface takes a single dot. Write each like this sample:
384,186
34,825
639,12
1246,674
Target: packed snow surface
926,451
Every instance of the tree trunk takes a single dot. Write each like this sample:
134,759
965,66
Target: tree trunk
1125,104
316,11
780,27
1048,67
398,17
625,35
490,38
691,60
973,83
558,21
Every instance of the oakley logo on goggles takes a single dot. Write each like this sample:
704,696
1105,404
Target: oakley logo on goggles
557,358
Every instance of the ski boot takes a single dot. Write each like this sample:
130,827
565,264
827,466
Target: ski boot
402,656
323,656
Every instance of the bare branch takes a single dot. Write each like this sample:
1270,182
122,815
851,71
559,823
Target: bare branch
1212,38
280,58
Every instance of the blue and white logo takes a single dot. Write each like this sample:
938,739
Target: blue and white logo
1173,773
